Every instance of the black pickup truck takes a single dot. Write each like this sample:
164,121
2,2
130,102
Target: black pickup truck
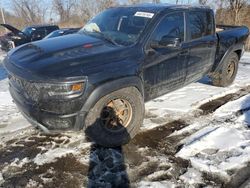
31,33
98,79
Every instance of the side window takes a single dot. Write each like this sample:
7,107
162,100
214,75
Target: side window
200,24
40,31
171,26
50,29
38,34
210,23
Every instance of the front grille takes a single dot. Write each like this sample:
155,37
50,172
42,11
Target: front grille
31,89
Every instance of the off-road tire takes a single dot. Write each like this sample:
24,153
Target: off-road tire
97,132
225,77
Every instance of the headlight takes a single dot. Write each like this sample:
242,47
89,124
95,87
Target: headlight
72,87
63,90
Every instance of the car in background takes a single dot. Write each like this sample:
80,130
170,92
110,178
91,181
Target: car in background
31,33
61,32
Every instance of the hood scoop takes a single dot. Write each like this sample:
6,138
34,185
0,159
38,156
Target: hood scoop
27,51
84,49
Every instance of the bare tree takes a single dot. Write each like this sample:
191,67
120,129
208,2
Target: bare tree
203,2
32,11
131,2
64,8
236,6
86,9
156,1
104,4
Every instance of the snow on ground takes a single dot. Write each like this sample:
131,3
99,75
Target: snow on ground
233,107
222,147
179,144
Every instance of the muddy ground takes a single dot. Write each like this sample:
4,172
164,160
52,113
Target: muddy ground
76,162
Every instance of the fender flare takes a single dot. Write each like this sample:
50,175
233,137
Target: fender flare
234,48
105,89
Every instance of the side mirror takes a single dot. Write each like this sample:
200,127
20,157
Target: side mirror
170,41
166,42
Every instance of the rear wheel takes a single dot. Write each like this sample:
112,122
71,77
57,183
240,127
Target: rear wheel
115,118
227,73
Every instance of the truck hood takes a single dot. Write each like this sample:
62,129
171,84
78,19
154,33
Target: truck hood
60,56
12,29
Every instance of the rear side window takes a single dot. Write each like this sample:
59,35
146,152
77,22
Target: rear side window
49,29
170,26
210,23
200,24
40,31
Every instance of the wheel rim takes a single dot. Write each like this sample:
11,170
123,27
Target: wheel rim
231,69
116,114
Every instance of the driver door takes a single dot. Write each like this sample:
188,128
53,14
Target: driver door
165,66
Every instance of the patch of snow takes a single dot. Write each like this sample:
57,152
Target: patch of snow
230,108
198,135
192,177
5,99
51,155
221,138
219,147
17,124
1,179
245,118
159,184
17,163
215,96
245,58
157,174
33,183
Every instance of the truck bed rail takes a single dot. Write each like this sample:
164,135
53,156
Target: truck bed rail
221,27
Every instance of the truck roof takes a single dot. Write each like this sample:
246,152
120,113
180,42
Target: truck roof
42,25
156,7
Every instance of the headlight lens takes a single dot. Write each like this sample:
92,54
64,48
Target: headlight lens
64,90
39,90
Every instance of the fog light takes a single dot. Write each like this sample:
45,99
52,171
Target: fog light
58,123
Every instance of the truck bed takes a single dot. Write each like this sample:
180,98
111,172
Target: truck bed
229,37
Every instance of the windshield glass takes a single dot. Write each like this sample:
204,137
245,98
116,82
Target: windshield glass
121,26
54,34
27,31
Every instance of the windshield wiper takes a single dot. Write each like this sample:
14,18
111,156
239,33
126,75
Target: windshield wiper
109,39
103,36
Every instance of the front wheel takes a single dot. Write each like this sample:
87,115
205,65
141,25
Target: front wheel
227,73
115,118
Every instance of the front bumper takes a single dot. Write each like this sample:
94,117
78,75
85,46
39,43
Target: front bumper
69,119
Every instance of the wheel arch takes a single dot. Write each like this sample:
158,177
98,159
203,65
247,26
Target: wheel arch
106,88
238,49
239,53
